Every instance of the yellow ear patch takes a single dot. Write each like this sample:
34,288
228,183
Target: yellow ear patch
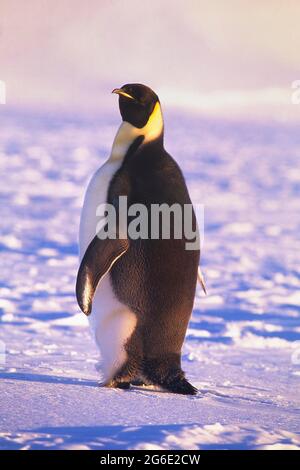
155,124
127,133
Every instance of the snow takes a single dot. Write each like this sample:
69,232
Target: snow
243,343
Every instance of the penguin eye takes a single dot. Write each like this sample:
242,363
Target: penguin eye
140,98
132,93
138,95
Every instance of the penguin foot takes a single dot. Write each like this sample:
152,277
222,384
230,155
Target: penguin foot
166,372
140,382
117,384
123,385
180,385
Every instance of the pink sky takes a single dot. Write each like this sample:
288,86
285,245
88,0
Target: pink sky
216,56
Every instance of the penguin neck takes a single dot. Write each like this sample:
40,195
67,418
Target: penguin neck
127,133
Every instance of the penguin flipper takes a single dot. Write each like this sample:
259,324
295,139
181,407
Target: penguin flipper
97,261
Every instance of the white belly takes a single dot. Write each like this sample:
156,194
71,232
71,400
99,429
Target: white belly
112,322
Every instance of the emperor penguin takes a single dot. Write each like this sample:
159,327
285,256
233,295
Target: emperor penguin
138,293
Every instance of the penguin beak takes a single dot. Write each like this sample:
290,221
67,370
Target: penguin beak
119,91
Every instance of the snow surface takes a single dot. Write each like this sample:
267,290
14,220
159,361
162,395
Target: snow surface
243,344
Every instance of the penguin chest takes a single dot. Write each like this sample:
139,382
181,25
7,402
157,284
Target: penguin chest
95,195
111,321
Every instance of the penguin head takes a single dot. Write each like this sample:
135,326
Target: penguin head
136,103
